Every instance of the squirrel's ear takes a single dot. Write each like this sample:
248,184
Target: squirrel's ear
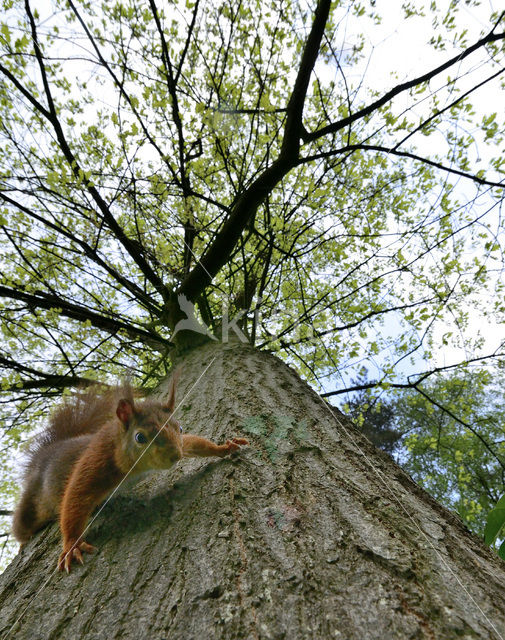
124,411
170,403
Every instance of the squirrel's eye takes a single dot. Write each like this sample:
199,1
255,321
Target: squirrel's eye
180,428
140,438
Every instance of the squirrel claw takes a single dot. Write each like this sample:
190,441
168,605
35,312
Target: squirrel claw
73,552
88,548
232,445
78,556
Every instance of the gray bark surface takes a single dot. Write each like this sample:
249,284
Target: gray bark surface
309,533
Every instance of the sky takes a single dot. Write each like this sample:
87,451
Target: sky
402,46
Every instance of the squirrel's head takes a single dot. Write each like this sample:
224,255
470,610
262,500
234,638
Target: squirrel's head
152,435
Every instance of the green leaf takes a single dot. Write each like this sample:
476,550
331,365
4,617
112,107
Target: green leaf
4,30
494,524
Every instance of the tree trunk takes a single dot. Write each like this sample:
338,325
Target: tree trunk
309,533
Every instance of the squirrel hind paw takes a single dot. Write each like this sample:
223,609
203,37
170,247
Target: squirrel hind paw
73,552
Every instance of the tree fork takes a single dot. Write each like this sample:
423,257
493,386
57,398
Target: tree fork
217,254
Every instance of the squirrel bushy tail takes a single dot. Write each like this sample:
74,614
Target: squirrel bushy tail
83,413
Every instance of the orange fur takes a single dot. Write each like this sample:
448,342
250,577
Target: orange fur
193,446
91,443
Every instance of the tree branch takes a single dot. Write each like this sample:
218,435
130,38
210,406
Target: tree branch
43,300
78,172
217,254
387,97
171,84
294,129
409,385
403,154
33,101
462,423
305,317
89,252
188,39
45,379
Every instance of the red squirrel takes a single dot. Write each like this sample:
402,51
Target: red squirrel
92,442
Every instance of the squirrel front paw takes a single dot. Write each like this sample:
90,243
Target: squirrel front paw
72,551
232,445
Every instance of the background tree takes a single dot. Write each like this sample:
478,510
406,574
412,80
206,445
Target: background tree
158,156
455,442
374,414
448,435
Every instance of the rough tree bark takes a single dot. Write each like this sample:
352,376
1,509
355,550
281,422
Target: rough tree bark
310,533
